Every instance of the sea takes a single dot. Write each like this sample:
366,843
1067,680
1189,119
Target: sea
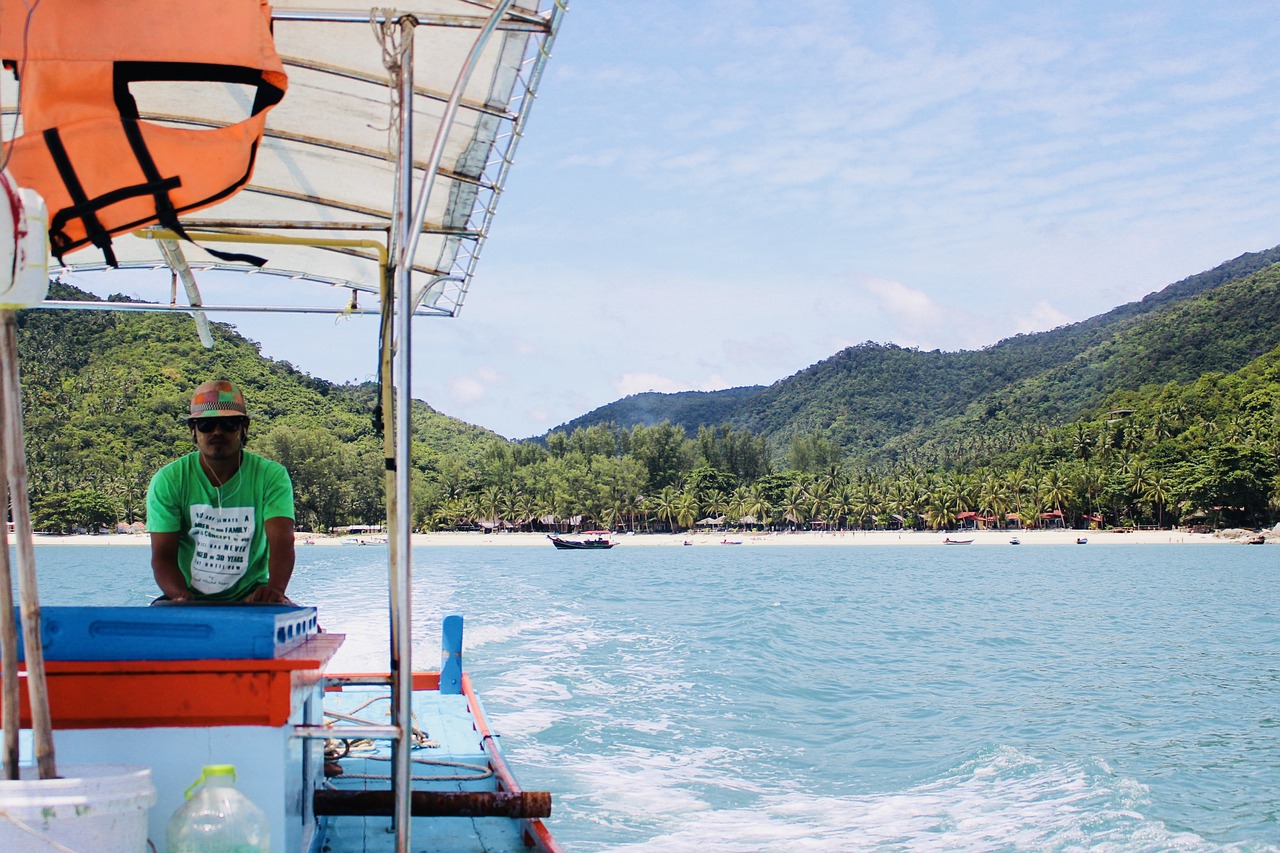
1047,698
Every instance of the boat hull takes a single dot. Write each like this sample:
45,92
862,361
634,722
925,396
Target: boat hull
584,545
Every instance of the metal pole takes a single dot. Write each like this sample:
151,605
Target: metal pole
405,243
401,569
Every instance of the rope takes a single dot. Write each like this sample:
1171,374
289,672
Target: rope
419,737
481,772
53,845
420,740
387,32
389,35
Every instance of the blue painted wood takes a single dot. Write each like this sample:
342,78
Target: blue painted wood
449,723
173,632
451,655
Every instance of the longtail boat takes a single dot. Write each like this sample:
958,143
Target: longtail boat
352,159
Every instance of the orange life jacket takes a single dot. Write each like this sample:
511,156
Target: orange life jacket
100,168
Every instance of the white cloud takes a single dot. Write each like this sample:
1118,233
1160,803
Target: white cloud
1039,317
639,383
467,390
914,312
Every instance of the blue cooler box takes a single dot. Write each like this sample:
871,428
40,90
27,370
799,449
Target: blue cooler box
173,632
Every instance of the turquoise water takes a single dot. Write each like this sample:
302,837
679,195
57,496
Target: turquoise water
813,699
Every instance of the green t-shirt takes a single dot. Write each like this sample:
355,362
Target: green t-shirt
223,548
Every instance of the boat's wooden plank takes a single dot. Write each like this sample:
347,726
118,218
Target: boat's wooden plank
437,803
351,834
140,694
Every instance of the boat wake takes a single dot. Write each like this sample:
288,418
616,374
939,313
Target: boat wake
1002,799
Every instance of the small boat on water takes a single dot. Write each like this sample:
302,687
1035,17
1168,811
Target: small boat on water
1082,541
950,541
598,540
1015,541
730,541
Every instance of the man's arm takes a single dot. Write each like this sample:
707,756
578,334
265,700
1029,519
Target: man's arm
164,565
279,532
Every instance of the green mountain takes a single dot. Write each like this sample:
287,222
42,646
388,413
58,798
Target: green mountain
687,409
1161,410
880,403
105,395
1218,331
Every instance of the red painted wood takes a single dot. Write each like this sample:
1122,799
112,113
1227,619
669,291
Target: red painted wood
146,694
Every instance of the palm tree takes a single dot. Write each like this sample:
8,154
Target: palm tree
686,509
832,478
1019,485
714,503
1030,512
1157,490
1081,441
736,505
900,500
664,506
795,505
818,494
757,504
840,505
1090,482
942,508
1054,490
993,497
864,504
489,503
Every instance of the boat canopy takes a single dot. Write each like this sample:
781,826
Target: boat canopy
323,194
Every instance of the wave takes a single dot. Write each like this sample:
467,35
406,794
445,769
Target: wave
1000,799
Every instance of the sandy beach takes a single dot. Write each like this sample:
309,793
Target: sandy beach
765,540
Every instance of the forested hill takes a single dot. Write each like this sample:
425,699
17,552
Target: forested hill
687,409
875,402
1152,416
1220,331
105,394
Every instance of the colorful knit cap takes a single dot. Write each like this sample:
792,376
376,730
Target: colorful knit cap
218,399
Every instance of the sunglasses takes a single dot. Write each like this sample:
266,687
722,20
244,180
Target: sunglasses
224,424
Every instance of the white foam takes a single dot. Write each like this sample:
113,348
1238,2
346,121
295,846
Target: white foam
1003,800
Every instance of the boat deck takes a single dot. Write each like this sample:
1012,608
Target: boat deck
452,772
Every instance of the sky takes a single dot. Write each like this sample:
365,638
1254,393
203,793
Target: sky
716,194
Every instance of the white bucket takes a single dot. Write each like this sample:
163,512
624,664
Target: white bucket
94,808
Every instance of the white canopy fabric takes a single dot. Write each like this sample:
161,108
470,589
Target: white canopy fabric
325,169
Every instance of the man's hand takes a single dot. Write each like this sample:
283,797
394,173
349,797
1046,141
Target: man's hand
266,595
164,566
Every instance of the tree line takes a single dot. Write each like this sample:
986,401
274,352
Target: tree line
1204,454
105,396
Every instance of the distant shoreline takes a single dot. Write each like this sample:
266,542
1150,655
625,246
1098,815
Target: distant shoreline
748,539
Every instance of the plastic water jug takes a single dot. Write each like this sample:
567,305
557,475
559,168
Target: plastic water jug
218,818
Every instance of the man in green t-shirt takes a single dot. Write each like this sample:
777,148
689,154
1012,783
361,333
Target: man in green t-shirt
221,518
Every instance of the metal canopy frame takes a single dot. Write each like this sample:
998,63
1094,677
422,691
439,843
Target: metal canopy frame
326,165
